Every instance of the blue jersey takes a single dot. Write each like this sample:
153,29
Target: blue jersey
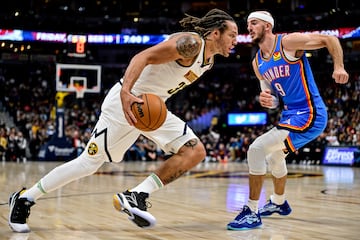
304,114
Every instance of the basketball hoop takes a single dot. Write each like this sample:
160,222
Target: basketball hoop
78,78
79,90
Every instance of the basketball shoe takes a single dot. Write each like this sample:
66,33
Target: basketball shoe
270,208
245,220
135,205
19,212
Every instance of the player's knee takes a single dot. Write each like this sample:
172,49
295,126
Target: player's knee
199,152
256,160
89,165
277,164
279,173
255,151
193,150
278,168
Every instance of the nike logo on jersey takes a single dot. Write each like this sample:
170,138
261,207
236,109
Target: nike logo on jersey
300,112
206,67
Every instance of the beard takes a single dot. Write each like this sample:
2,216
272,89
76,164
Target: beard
260,37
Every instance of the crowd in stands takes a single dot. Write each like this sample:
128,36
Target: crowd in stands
28,96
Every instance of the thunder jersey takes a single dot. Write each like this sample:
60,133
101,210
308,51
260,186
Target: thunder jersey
168,78
304,114
292,80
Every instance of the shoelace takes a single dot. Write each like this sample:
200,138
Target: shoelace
148,204
143,198
139,200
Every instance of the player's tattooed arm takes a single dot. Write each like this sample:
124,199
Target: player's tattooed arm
188,46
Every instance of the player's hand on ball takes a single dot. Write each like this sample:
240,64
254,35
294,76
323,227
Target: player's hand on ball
151,114
127,100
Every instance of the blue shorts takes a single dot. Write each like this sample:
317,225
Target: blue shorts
304,126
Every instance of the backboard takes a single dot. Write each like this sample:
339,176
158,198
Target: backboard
78,78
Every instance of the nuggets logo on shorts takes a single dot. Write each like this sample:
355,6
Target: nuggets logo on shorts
93,149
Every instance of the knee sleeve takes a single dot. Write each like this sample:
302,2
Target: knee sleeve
277,164
256,159
271,141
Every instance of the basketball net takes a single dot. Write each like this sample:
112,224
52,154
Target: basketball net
79,90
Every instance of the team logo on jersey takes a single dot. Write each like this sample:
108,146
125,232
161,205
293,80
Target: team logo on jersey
276,56
92,149
191,76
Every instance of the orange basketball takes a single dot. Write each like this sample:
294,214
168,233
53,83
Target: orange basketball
151,114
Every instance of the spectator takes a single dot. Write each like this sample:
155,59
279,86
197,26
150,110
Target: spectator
12,145
21,143
3,143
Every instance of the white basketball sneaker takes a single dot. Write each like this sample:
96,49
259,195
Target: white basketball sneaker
135,205
19,212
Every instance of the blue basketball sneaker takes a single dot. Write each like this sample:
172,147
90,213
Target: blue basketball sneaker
270,208
245,220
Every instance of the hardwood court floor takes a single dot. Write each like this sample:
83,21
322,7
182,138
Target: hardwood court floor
325,203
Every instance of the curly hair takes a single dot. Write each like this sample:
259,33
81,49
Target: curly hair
214,19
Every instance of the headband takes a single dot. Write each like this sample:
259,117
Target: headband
262,16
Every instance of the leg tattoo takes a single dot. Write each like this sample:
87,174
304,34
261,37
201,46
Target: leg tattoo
191,143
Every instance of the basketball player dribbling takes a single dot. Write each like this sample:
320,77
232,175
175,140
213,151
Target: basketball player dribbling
284,72
163,69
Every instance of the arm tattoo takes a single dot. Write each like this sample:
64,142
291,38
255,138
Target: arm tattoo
187,46
191,143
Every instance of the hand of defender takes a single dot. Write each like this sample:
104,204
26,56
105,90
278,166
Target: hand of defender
340,76
127,99
266,99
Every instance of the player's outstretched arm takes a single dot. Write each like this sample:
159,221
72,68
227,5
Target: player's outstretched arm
311,41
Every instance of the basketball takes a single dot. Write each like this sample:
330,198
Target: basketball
151,114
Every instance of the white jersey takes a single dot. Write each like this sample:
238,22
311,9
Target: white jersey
166,79
113,135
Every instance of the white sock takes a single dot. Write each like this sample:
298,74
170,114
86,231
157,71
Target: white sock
33,193
151,184
253,205
277,199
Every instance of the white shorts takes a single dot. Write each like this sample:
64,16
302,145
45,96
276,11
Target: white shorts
113,136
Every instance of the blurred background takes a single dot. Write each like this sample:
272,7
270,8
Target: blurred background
37,35
161,16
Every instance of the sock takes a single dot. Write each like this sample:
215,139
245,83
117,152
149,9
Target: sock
253,205
33,193
151,184
277,199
